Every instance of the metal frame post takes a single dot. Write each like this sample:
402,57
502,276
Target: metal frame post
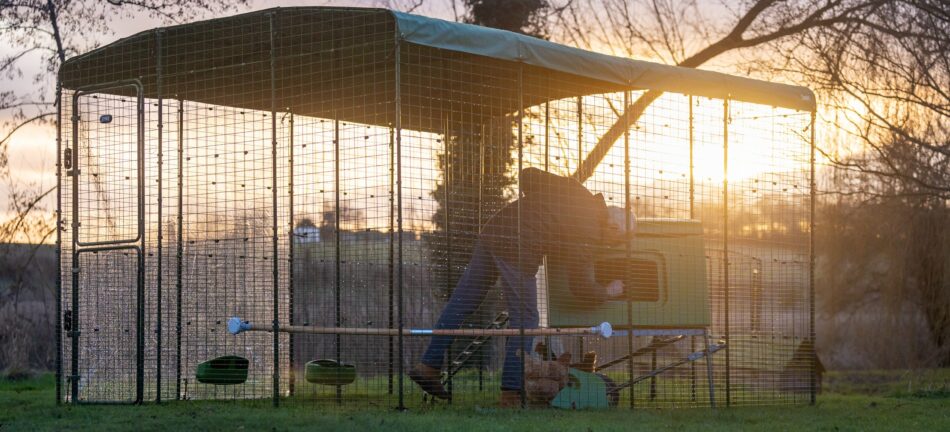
337,255
547,135
180,252
59,241
692,215
709,369
274,223
811,267
725,242
521,324
628,212
692,179
447,170
580,135
140,325
547,157
653,367
291,385
158,265
580,162
392,217
481,177
399,272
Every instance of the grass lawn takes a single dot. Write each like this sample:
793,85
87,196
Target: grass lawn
864,401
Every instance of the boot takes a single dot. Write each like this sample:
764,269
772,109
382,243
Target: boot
430,379
510,399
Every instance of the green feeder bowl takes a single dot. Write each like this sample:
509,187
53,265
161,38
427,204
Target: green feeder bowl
330,372
583,391
223,370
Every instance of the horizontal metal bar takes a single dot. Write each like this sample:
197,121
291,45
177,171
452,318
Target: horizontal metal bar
662,332
236,326
690,358
118,247
652,347
104,402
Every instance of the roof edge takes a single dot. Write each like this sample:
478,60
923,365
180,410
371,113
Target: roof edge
637,74
515,47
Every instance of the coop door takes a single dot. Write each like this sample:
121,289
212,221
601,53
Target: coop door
104,167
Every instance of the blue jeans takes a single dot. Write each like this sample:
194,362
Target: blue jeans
521,295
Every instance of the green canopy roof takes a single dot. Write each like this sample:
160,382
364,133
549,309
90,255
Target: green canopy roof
635,74
337,63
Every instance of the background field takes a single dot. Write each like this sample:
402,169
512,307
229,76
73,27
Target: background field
875,400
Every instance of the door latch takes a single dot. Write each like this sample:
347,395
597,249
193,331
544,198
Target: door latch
68,162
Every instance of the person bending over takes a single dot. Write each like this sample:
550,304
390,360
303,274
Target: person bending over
559,218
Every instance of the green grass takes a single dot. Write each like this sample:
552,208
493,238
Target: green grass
29,405
898,383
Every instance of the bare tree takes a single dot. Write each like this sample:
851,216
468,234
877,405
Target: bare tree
690,36
887,78
39,35
880,65
884,76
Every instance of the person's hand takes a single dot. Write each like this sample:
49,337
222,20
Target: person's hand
615,289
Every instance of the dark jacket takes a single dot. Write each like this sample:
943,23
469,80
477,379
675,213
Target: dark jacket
559,218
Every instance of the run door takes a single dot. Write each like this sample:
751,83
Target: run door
105,171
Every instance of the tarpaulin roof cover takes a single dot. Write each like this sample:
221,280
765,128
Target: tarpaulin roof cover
636,74
227,61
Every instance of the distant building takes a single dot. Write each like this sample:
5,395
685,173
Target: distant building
306,232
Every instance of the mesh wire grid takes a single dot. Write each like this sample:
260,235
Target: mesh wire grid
305,168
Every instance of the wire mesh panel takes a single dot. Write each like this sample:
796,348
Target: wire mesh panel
162,261
108,326
343,228
768,253
340,210
456,165
107,141
227,244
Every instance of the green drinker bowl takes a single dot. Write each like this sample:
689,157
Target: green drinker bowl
330,372
225,370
